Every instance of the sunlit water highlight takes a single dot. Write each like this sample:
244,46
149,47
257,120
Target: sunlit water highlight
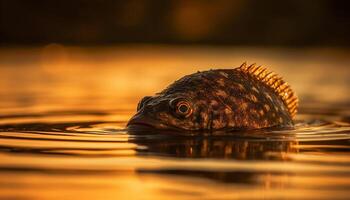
62,128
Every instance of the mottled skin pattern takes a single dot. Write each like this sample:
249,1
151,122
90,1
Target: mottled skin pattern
223,99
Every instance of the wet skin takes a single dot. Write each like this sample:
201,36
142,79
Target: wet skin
222,99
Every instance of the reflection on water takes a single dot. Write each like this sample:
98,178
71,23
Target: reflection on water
63,113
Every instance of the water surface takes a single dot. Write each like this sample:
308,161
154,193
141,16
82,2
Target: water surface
63,112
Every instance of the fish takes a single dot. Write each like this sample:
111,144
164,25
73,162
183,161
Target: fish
244,98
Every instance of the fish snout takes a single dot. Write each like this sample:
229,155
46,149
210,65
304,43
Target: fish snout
139,119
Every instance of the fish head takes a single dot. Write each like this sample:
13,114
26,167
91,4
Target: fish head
170,112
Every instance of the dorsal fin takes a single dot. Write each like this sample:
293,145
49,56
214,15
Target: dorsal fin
275,82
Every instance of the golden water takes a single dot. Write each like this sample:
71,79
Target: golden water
63,111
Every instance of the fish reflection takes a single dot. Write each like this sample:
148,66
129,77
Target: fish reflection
217,147
222,147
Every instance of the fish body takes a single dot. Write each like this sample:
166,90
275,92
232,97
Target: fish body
247,97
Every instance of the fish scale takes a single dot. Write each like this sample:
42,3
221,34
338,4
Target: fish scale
247,97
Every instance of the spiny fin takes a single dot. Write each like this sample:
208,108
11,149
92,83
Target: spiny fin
275,82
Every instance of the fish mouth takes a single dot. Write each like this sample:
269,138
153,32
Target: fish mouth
139,121
134,123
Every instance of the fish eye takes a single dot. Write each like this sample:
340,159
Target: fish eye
183,109
142,103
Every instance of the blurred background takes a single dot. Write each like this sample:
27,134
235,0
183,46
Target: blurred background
91,52
220,22
73,71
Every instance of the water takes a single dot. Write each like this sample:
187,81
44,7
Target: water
63,111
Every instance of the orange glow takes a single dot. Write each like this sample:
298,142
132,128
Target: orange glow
63,110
